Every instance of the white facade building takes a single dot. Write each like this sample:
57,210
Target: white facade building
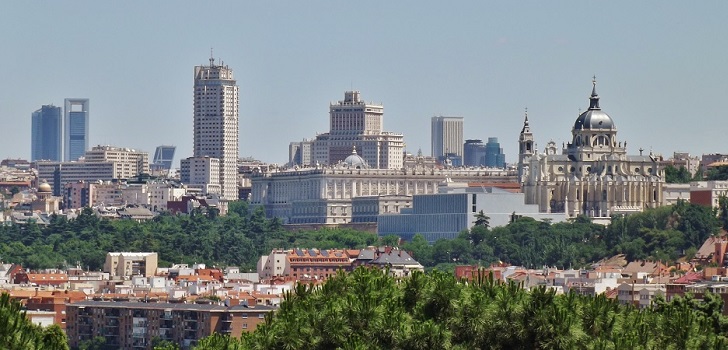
593,175
447,136
216,123
202,173
324,195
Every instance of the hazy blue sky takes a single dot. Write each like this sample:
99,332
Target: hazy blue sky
661,68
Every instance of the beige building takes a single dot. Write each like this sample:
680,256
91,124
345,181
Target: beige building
593,175
447,136
127,265
202,173
103,163
216,125
353,123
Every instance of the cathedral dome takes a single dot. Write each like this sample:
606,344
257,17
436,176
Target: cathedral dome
355,161
594,118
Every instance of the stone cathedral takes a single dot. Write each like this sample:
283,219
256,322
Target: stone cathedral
593,175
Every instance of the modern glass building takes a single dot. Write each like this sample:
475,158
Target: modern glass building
494,156
163,157
76,116
46,134
474,153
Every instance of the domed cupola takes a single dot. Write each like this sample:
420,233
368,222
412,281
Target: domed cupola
355,161
594,118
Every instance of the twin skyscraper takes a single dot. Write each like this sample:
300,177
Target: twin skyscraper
60,135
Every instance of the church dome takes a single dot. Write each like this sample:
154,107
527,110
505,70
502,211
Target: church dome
355,161
45,187
594,118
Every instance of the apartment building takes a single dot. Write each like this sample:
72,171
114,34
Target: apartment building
126,264
133,325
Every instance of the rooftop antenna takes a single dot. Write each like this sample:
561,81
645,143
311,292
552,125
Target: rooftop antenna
212,60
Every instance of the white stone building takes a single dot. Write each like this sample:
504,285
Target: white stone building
593,175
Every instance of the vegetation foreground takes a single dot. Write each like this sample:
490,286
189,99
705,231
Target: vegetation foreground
367,309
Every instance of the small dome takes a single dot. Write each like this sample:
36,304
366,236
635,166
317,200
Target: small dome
355,161
45,187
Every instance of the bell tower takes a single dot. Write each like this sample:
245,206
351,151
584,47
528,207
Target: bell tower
525,147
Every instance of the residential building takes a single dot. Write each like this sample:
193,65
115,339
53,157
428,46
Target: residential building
128,264
454,209
133,325
47,134
300,153
593,176
447,136
202,173
708,193
76,128
128,163
354,123
216,123
104,163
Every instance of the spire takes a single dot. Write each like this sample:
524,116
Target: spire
526,127
594,98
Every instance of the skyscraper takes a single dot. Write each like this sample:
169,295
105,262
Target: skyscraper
216,122
474,153
75,122
447,137
47,134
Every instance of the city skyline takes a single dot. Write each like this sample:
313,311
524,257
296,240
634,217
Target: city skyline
657,66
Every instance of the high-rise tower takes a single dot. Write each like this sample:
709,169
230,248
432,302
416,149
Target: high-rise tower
216,122
47,134
447,137
75,119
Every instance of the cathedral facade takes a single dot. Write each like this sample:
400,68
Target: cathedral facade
593,175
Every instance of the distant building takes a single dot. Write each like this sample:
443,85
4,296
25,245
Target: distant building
202,173
454,209
708,193
47,134
163,158
354,123
593,176
76,124
494,156
447,137
103,163
126,264
216,123
324,195
474,153
300,153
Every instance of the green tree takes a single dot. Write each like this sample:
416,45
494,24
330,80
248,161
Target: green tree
675,175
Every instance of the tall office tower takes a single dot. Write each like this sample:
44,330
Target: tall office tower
474,153
75,120
447,137
47,134
216,122
494,156
163,157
